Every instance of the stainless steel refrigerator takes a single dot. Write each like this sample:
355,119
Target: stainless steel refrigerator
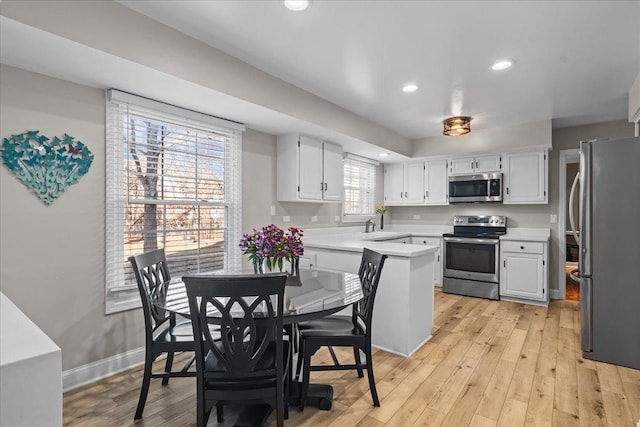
609,243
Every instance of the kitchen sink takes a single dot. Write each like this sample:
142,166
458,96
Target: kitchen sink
379,235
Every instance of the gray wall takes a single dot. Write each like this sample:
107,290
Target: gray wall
52,257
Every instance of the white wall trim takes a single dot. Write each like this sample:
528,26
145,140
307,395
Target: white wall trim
566,157
556,293
94,371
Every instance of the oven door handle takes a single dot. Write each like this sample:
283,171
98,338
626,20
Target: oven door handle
470,240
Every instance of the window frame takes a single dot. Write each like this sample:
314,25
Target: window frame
349,159
118,296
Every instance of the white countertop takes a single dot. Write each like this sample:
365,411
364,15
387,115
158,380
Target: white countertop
527,234
354,239
355,242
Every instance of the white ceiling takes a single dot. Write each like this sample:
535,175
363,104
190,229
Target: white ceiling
575,60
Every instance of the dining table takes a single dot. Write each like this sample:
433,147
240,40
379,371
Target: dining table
311,294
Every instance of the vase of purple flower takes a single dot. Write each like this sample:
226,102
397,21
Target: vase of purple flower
269,247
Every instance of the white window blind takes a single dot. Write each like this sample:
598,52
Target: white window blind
173,182
359,187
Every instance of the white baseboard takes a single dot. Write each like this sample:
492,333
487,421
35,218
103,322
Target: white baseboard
555,294
94,371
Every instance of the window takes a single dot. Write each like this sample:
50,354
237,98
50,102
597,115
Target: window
173,182
359,188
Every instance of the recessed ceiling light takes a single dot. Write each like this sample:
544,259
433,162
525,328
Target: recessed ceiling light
384,154
410,88
296,5
502,65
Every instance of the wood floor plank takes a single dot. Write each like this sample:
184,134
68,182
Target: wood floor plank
540,409
566,392
591,405
513,414
491,363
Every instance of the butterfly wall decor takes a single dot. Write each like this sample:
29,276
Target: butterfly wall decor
46,166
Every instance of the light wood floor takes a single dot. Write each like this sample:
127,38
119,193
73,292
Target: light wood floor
489,363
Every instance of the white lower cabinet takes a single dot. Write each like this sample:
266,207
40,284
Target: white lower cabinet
524,271
437,262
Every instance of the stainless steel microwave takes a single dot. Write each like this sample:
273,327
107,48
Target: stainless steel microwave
485,187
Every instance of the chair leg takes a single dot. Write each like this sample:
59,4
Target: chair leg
372,381
220,412
305,376
167,368
333,356
144,390
300,357
280,403
356,356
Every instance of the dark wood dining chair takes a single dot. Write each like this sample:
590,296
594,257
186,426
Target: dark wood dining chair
344,331
249,361
163,333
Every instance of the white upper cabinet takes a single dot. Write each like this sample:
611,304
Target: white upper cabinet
309,170
435,182
476,164
404,184
414,183
525,178
332,172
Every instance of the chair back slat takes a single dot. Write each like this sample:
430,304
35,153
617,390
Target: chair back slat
152,277
369,272
249,322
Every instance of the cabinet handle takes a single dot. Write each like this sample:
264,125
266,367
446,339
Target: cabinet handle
438,258
405,194
321,186
471,164
522,247
325,186
504,263
507,191
401,194
427,193
424,242
476,165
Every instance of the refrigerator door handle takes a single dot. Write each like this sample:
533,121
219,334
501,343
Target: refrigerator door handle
585,208
586,307
576,234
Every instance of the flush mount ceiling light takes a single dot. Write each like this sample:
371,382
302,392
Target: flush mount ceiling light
502,65
410,88
456,126
384,154
296,5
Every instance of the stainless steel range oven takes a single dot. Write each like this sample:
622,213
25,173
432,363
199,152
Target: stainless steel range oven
472,256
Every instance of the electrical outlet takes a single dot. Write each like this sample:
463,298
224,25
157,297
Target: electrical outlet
416,217
286,219
314,219
554,219
273,211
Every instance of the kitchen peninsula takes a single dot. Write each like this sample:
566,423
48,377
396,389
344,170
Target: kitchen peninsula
403,310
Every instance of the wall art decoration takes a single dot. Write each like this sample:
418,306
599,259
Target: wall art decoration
46,166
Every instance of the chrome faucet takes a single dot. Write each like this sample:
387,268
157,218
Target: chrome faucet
371,222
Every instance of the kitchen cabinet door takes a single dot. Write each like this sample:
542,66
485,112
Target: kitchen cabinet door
437,261
333,172
524,270
487,164
414,183
310,170
436,182
394,184
462,166
525,178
